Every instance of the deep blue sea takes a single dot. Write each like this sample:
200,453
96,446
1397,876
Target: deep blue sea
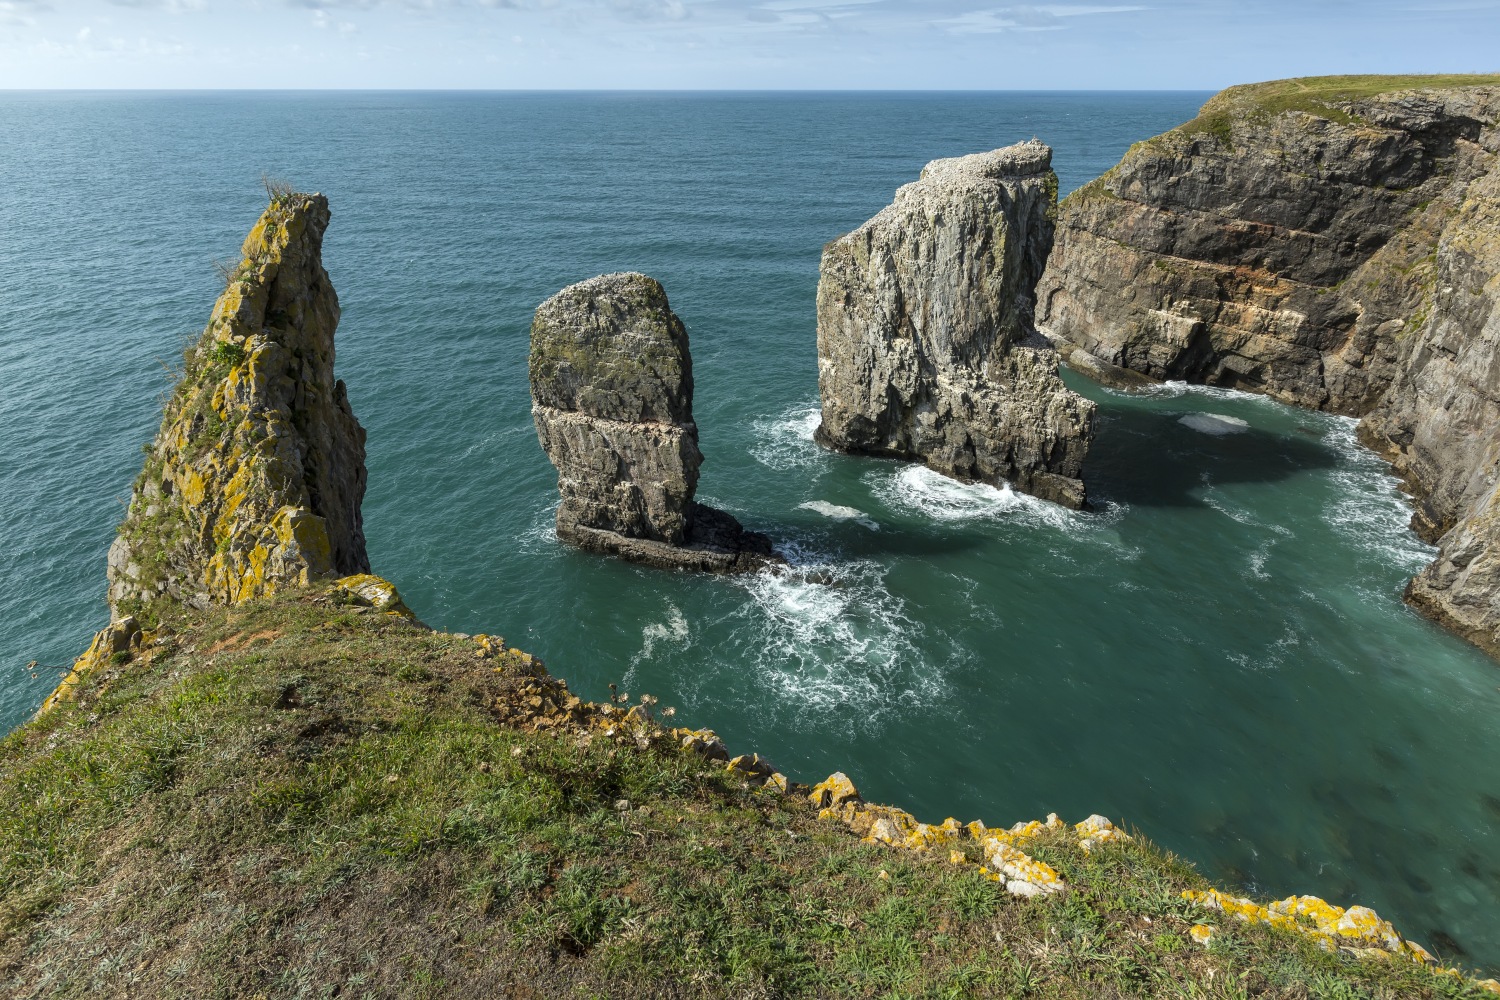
1218,655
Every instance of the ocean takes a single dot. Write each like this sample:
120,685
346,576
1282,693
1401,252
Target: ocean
1217,655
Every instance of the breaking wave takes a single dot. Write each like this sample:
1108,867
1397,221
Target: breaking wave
1370,510
826,633
918,490
785,441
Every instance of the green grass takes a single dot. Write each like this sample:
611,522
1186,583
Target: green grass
294,798
1322,96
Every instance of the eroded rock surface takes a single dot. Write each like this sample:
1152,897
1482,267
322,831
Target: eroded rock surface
255,479
924,330
612,396
1338,252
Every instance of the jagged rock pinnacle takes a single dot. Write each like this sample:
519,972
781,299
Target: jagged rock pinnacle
256,477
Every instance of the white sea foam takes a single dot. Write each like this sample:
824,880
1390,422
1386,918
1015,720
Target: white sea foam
919,490
658,638
839,513
1258,559
1216,424
826,633
785,441
1176,390
1371,510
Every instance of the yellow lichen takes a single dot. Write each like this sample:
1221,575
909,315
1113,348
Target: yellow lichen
118,640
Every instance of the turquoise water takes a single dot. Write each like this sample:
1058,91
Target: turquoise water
1218,654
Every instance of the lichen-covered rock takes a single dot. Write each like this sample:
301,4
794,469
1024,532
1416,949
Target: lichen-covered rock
612,396
924,323
367,590
1332,244
115,643
254,481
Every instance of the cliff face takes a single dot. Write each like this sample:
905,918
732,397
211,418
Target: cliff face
256,476
612,397
922,314
1332,243
1440,421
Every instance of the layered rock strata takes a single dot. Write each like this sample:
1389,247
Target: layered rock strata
925,318
612,397
1333,243
254,481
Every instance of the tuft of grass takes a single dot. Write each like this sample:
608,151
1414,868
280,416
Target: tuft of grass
277,189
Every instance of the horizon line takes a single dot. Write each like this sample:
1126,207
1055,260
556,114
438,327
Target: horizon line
605,90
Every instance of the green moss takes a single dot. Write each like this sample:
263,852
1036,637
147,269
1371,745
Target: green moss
1097,189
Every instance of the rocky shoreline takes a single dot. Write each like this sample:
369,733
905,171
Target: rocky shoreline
243,547
1332,243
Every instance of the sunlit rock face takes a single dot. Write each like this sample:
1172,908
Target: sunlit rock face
1339,254
255,480
924,330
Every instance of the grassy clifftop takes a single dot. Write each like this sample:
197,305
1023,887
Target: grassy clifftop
1324,96
300,797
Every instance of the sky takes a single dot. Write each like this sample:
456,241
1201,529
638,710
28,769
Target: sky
732,44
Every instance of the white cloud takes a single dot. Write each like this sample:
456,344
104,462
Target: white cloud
1045,17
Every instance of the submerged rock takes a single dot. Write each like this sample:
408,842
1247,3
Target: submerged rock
924,324
612,396
1332,243
255,480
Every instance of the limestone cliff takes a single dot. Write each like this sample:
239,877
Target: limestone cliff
612,396
1333,243
924,314
255,479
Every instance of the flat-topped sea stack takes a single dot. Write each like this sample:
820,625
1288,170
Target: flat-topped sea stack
925,340
255,479
1332,242
612,396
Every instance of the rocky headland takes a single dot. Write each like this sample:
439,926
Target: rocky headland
295,788
612,397
925,339
1333,243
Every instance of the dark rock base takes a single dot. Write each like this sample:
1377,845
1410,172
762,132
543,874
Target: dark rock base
1065,491
717,543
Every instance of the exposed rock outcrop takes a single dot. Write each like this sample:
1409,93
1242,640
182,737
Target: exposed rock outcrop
255,479
1333,243
612,396
924,324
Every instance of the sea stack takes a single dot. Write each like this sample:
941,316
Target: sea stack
255,479
926,349
612,396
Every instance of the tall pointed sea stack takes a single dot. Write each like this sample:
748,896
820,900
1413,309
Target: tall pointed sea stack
924,330
254,481
612,395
